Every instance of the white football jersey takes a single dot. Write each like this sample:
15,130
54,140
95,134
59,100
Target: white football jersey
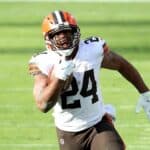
81,105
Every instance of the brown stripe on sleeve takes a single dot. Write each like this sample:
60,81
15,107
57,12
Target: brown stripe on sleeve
33,69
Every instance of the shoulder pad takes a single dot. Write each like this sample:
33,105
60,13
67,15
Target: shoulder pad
40,53
94,39
91,39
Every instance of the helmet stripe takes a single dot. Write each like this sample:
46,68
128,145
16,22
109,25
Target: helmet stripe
62,16
58,16
55,18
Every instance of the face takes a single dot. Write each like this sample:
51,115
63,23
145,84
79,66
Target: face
63,39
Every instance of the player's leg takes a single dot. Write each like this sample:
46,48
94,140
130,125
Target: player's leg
106,137
107,140
72,140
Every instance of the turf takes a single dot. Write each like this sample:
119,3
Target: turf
125,26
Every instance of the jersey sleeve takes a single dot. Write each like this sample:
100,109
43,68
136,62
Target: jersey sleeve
103,42
104,46
33,69
39,65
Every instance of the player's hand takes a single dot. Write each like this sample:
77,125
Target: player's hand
144,102
64,69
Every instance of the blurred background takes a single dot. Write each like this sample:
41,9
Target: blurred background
125,25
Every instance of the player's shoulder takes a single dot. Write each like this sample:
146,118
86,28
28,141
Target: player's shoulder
39,55
93,40
93,45
33,62
42,61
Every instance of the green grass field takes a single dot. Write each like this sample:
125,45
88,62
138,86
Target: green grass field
126,28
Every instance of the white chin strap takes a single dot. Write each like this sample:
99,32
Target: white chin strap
66,52
62,52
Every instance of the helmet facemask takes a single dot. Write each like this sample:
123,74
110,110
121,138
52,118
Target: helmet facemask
63,44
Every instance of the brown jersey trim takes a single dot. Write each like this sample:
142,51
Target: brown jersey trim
105,48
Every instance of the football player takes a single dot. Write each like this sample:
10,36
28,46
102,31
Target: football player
66,78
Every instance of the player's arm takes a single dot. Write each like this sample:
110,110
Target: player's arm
48,87
46,90
114,61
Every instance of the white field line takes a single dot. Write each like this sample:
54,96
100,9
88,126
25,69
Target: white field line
6,123
13,106
26,125
137,62
17,89
138,147
147,130
22,106
28,145
145,138
147,125
126,107
114,89
78,1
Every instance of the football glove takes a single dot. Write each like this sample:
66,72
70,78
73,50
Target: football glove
144,102
64,69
